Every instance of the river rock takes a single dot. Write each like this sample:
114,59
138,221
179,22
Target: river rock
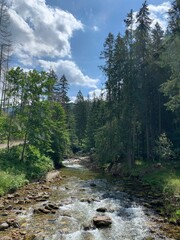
102,221
101,209
41,210
4,226
88,200
157,203
1,207
9,207
87,227
5,238
4,214
93,185
29,237
10,196
53,206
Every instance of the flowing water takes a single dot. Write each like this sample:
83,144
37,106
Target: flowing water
78,197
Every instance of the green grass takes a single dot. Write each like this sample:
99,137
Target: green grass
14,172
165,180
10,182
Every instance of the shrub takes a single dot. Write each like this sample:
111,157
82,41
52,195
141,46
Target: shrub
163,148
37,164
10,182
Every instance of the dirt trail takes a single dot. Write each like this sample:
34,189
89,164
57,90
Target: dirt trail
13,143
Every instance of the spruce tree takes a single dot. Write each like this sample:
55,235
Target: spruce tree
80,112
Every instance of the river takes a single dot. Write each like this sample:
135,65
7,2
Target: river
78,196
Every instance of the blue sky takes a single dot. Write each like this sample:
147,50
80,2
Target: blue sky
68,35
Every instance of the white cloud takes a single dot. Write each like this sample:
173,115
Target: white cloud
71,71
97,93
95,28
162,8
158,13
39,30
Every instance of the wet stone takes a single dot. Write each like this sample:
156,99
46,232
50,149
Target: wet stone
5,238
4,214
1,207
101,209
102,221
4,226
30,237
87,227
93,185
9,207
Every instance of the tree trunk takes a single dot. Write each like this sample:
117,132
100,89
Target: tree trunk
24,147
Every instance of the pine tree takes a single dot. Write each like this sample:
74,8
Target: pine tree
174,17
60,91
143,78
80,113
107,55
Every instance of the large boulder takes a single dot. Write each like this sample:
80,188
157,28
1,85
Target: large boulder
102,221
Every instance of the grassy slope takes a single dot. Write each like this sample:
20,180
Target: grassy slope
163,178
15,173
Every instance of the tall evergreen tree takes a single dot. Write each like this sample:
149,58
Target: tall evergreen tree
107,55
60,91
80,112
174,17
142,37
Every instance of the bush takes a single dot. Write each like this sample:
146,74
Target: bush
10,182
37,164
34,166
163,149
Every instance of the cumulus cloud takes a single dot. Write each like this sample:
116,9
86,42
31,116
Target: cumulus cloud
97,93
71,71
39,30
158,13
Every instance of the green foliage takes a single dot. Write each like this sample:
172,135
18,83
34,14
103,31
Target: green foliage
171,88
3,120
164,148
80,112
59,135
34,166
36,163
108,148
10,182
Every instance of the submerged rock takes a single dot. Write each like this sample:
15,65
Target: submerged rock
102,221
87,227
101,209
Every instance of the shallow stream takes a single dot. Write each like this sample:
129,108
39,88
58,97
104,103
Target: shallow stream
78,196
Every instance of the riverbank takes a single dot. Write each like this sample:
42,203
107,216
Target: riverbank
16,204
15,172
158,183
38,195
